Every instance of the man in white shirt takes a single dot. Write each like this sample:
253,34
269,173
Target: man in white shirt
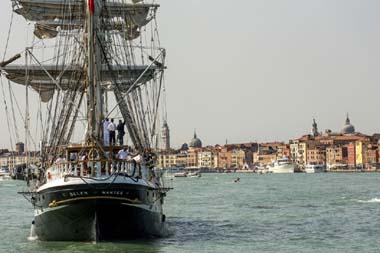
60,159
106,133
123,154
112,128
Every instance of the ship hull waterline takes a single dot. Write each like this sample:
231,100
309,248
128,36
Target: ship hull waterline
92,214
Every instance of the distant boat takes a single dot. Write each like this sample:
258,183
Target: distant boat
282,165
5,174
315,168
180,174
261,169
195,174
245,171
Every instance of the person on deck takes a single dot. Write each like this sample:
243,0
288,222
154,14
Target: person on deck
120,132
106,133
60,159
111,128
123,154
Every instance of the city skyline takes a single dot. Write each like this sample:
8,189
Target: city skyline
308,131
264,72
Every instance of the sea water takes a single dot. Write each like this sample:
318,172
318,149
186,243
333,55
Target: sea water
262,213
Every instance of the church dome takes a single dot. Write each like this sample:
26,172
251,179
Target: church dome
195,142
348,128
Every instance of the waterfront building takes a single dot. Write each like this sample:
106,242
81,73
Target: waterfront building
266,152
235,155
344,149
192,158
316,155
224,157
181,159
360,154
298,150
283,150
372,155
207,158
325,140
264,158
238,158
167,160
346,139
351,155
334,157
293,150
10,159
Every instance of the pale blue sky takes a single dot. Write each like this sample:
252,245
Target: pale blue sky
262,69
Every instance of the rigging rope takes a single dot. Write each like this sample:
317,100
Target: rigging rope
2,84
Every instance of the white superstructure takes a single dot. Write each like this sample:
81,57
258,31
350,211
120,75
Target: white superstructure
315,168
283,165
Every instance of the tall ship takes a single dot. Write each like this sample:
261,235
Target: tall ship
90,60
281,165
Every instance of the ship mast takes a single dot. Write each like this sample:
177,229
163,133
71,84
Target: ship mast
104,60
90,72
94,90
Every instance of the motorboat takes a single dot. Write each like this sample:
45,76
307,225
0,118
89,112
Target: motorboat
195,174
180,174
5,174
315,168
282,165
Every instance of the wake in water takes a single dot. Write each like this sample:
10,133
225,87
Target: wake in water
373,200
32,236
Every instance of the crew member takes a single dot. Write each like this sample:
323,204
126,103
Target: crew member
123,154
106,133
111,128
120,132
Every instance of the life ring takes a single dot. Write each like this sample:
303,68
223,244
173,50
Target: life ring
49,175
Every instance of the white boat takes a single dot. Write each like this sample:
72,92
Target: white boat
261,169
5,174
180,174
245,171
283,165
195,174
315,168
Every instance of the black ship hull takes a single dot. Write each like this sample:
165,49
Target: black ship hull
94,213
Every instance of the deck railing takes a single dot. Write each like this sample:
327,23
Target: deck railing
96,169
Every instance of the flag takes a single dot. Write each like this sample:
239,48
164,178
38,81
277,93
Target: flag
91,6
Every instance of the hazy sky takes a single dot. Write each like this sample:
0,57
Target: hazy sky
261,69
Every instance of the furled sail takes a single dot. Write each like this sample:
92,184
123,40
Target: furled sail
70,14
45,85
96,55
43,31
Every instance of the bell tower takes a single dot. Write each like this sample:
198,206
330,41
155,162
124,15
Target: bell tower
165,133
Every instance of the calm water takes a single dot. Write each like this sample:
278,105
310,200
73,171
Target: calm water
263,213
